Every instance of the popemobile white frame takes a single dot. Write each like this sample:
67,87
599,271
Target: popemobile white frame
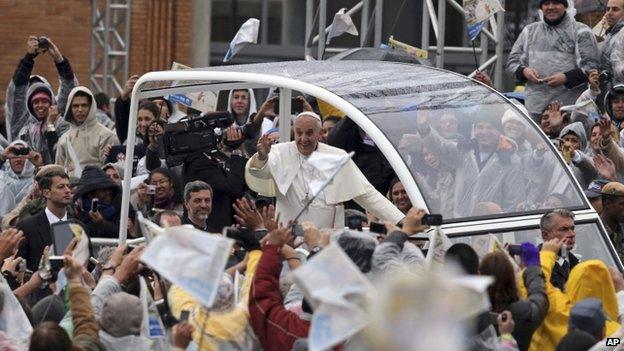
232,79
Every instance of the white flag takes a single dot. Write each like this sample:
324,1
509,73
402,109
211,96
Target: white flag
248,33
587,108
342,24
190,258
438,244
328,165
13,321
151,326
333,285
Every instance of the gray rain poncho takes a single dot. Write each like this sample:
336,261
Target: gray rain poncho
19,185
563,48
608,45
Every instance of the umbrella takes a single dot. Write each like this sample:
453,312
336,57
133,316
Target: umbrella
379,54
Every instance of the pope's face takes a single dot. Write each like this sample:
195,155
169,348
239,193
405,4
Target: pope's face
307,134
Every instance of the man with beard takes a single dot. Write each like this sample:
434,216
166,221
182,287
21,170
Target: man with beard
198,205
551,56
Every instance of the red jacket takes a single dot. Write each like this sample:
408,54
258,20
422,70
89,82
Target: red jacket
276,328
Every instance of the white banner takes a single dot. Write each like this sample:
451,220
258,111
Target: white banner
190,258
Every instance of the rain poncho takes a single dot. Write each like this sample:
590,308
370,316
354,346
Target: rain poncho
587,279
612,36
499,180
563,48
617,57
18,114
582,166
19,185
226,324
87,139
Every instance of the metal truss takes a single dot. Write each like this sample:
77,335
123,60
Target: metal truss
110,45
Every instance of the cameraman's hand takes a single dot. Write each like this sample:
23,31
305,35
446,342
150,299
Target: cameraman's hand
264,147
233,134
32,45
247,214
268,108
129,86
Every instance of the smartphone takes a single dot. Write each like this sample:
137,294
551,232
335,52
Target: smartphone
378,228
432,219
61,237
184,315
296,106
94,205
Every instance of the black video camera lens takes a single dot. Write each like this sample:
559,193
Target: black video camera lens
22,151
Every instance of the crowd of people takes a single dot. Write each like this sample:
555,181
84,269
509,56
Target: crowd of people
63,158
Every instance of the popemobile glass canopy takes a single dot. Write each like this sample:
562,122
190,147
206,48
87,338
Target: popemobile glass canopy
448,169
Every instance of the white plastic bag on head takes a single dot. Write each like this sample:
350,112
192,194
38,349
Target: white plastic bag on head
13,320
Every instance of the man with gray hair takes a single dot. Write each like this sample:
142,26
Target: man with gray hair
198,205
284,171
559,224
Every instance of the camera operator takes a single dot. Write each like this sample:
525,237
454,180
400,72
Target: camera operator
224,170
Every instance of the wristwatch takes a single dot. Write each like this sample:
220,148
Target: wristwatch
108,268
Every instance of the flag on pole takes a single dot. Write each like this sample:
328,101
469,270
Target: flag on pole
342,24
477,12
248,33
328,166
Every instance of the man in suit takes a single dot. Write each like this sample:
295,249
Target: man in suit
559,224
56,190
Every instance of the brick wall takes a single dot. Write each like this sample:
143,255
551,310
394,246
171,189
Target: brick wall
161,33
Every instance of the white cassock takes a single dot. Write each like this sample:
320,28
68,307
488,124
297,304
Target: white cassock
287,175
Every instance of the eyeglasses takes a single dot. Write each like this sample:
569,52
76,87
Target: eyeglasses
160,182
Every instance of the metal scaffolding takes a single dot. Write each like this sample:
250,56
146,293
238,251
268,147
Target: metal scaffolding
431,18
110,45
494,32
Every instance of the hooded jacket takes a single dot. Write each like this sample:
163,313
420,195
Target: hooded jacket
587,279
567,47
582,166
87,139
20,185
19,118
607,47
